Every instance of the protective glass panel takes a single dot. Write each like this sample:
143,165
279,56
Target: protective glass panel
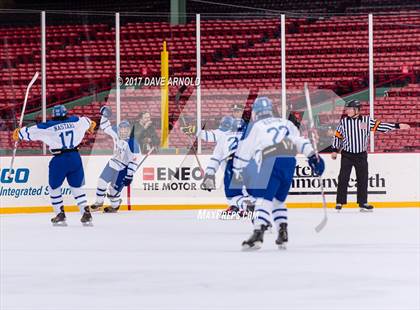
240,59
396,59
158,60
327,109
158,57
81,69
20,59
329,53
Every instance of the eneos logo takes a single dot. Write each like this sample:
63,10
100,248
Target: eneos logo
168,174
168,179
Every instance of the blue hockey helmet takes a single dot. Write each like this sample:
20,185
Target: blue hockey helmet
124,129
226,123
262,106
238,125
59,111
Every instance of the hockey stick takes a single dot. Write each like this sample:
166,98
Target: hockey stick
145,157
129,186
21,122
177,98
324,221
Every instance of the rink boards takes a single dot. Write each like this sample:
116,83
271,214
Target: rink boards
173,182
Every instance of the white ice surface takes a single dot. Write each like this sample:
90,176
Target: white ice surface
171,260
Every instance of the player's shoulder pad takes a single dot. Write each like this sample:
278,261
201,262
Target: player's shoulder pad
133,145
50,123
85,117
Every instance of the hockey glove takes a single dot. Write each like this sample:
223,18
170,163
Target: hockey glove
189,130
209,182
127,180
92,127
105,112
15,135
317,164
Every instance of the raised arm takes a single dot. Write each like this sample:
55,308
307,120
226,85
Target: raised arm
208,135
105,123
32,133
376,125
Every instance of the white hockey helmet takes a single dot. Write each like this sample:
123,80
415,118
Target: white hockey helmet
124,129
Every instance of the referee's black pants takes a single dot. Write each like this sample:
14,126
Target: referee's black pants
360,163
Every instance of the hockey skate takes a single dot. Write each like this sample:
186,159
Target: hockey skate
110,209
95,207
338,207
59,219
256,240
86,218
366,207
282,238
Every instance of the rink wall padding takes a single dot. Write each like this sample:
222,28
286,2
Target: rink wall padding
172,182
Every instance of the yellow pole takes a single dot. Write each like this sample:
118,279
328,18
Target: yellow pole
164,71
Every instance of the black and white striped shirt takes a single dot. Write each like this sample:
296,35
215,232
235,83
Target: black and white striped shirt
352,134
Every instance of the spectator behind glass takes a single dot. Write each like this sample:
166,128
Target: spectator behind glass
145,133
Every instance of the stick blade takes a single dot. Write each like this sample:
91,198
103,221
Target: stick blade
321,225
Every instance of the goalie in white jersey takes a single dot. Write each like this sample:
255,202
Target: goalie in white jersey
120,169
272,142
63,135
223,154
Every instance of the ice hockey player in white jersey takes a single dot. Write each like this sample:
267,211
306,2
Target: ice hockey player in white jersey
272,142
120,169
63,135
223,154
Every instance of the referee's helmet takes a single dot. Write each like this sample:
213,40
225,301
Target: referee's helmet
352,104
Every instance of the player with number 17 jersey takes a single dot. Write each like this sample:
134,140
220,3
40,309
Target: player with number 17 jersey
63,135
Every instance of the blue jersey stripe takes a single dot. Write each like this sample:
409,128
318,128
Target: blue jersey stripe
281,209
27,132
263,211
244,160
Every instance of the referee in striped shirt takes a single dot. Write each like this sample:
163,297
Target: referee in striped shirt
351,140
